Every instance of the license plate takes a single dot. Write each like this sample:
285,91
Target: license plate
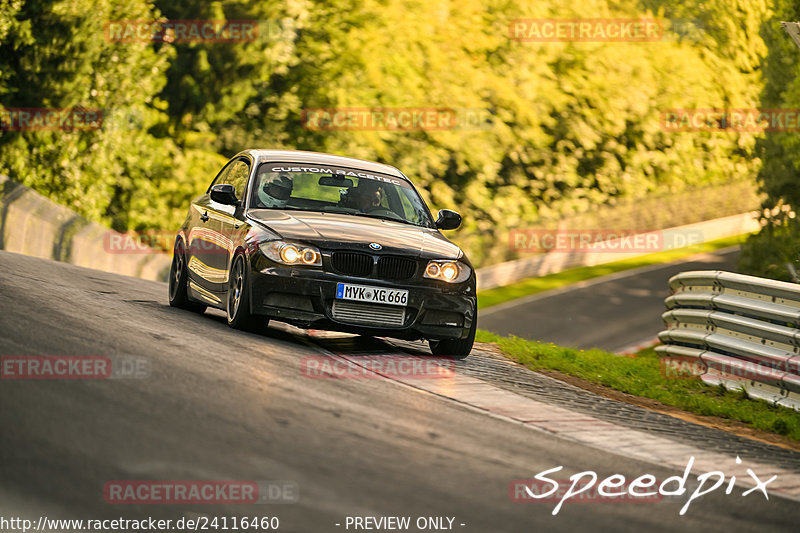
375,295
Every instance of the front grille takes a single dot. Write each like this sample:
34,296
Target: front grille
368,314
352,263
390,267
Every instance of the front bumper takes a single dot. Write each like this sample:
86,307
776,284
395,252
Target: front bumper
304,297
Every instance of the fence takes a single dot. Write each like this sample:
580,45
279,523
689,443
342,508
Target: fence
557,261
31,224
742,331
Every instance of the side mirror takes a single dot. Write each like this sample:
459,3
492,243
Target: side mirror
448,219
225,194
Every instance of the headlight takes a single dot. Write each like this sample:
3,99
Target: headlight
449,271
289,253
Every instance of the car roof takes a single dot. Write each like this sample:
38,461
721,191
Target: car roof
318,158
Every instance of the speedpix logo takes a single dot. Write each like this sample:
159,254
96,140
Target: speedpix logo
615,487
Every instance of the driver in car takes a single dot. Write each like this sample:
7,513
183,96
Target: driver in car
368,195
275,191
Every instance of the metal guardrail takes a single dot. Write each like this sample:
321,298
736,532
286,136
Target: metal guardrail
742,331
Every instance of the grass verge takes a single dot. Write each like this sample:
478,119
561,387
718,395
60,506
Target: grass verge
642,376
530,286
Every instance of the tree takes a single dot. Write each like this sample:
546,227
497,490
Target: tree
768,252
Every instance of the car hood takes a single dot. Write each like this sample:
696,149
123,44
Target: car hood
336,231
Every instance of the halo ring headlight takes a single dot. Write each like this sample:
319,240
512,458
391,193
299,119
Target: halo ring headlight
309,256
289,254
448,270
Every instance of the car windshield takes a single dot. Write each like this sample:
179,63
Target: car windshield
329,189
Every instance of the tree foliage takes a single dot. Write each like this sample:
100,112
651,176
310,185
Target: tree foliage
566,127
778,244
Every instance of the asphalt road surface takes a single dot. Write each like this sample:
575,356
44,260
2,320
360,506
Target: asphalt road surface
612,312
218,404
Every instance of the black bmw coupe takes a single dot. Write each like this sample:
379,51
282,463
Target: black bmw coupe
325,242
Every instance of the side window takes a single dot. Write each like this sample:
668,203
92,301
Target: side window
237,177
222,177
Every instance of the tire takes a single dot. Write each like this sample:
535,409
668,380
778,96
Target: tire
238,304
178,278
456,348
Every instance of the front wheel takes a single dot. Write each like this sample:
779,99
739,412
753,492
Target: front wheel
238,308
178,277
456,348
